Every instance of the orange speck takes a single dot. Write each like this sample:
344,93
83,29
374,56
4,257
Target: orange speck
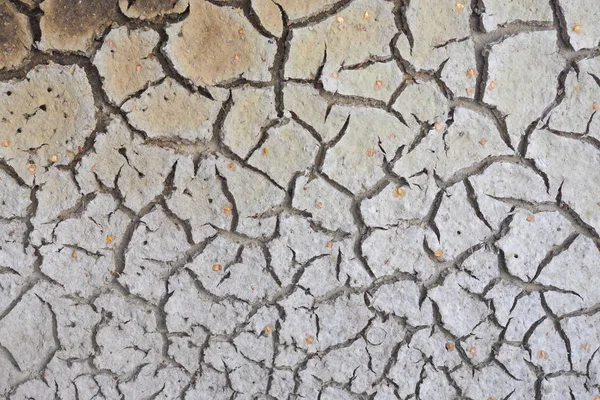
335,74
138,67
241,31
542,354
366,15
227,210
469,91
576,28
529,218
265,151
319,204
371,152
460,7
94,168
87,276
450,346
32,168
399,192
483,141
473,350
595,106
54,158
268,329
329,245
74,254
309,339
492,86
378,85
5,143
471,72
110,43
439,126
339,19
231,165
109,239
217,267
438,253
597,397
586,346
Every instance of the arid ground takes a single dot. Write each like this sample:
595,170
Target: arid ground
300,199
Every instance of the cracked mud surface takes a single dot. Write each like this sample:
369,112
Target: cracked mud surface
317,199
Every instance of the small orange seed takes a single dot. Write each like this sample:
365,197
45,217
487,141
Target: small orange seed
399,192
542,354
586,346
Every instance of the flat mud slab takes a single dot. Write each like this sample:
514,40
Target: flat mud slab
300,199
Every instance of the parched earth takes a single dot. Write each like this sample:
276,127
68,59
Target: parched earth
300,199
